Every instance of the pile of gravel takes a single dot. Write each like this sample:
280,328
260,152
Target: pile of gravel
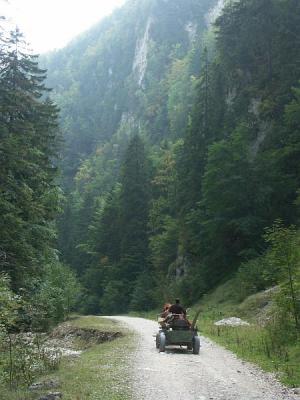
233,321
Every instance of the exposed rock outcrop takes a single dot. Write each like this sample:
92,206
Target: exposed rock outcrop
214,13
191,29
141,54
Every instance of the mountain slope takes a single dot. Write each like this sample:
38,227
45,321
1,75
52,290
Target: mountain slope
216,174
116,77
133,73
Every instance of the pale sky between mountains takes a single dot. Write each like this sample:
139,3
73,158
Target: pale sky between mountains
50,24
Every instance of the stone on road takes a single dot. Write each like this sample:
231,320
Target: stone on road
215,374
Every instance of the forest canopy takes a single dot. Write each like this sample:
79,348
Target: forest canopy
215,107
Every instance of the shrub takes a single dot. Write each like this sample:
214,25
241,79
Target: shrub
252,278
53,297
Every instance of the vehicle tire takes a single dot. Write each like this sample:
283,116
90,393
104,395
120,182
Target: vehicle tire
196,345
157,340
162,342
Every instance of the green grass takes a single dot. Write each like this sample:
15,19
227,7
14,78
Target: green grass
257,344
101,373
102,324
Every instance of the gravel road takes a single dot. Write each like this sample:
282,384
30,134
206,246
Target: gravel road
215,374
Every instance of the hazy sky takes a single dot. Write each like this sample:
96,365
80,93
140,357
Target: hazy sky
49,24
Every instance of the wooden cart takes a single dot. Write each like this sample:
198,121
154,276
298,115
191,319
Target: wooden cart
177,331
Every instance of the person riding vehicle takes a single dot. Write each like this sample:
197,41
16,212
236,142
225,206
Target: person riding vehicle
177,308
165,310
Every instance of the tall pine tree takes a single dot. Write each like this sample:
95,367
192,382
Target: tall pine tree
28,146
134,209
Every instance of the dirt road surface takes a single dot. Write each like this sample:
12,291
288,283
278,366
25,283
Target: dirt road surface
215,374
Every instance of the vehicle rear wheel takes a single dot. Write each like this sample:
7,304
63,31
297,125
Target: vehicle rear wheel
196,345
157,340
162,342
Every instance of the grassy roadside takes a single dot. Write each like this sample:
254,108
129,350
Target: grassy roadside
254,343
101,373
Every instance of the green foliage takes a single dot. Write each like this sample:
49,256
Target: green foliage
252,278
54,296
284,256
229,197
269,341
164,246
28,145
115,298
257,345
36,291
117,240
10,303
280,266
237,169
105,232
107,97
101,74
23,356
134,209
220,116
78,379
142,298
162,222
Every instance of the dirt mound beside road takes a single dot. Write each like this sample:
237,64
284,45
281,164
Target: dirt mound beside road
87,336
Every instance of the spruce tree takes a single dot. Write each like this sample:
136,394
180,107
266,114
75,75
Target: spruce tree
28,146
134,209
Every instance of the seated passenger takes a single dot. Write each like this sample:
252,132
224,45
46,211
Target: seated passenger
177,308
165,311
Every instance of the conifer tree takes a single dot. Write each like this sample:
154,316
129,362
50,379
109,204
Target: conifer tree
28,145
134,206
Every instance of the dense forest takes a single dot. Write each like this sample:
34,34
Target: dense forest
178,146
181,125
36,289
126,90
164,162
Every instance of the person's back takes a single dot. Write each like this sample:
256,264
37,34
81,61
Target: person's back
177,308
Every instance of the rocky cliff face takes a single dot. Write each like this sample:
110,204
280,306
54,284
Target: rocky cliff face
120,68
214,12
141,54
